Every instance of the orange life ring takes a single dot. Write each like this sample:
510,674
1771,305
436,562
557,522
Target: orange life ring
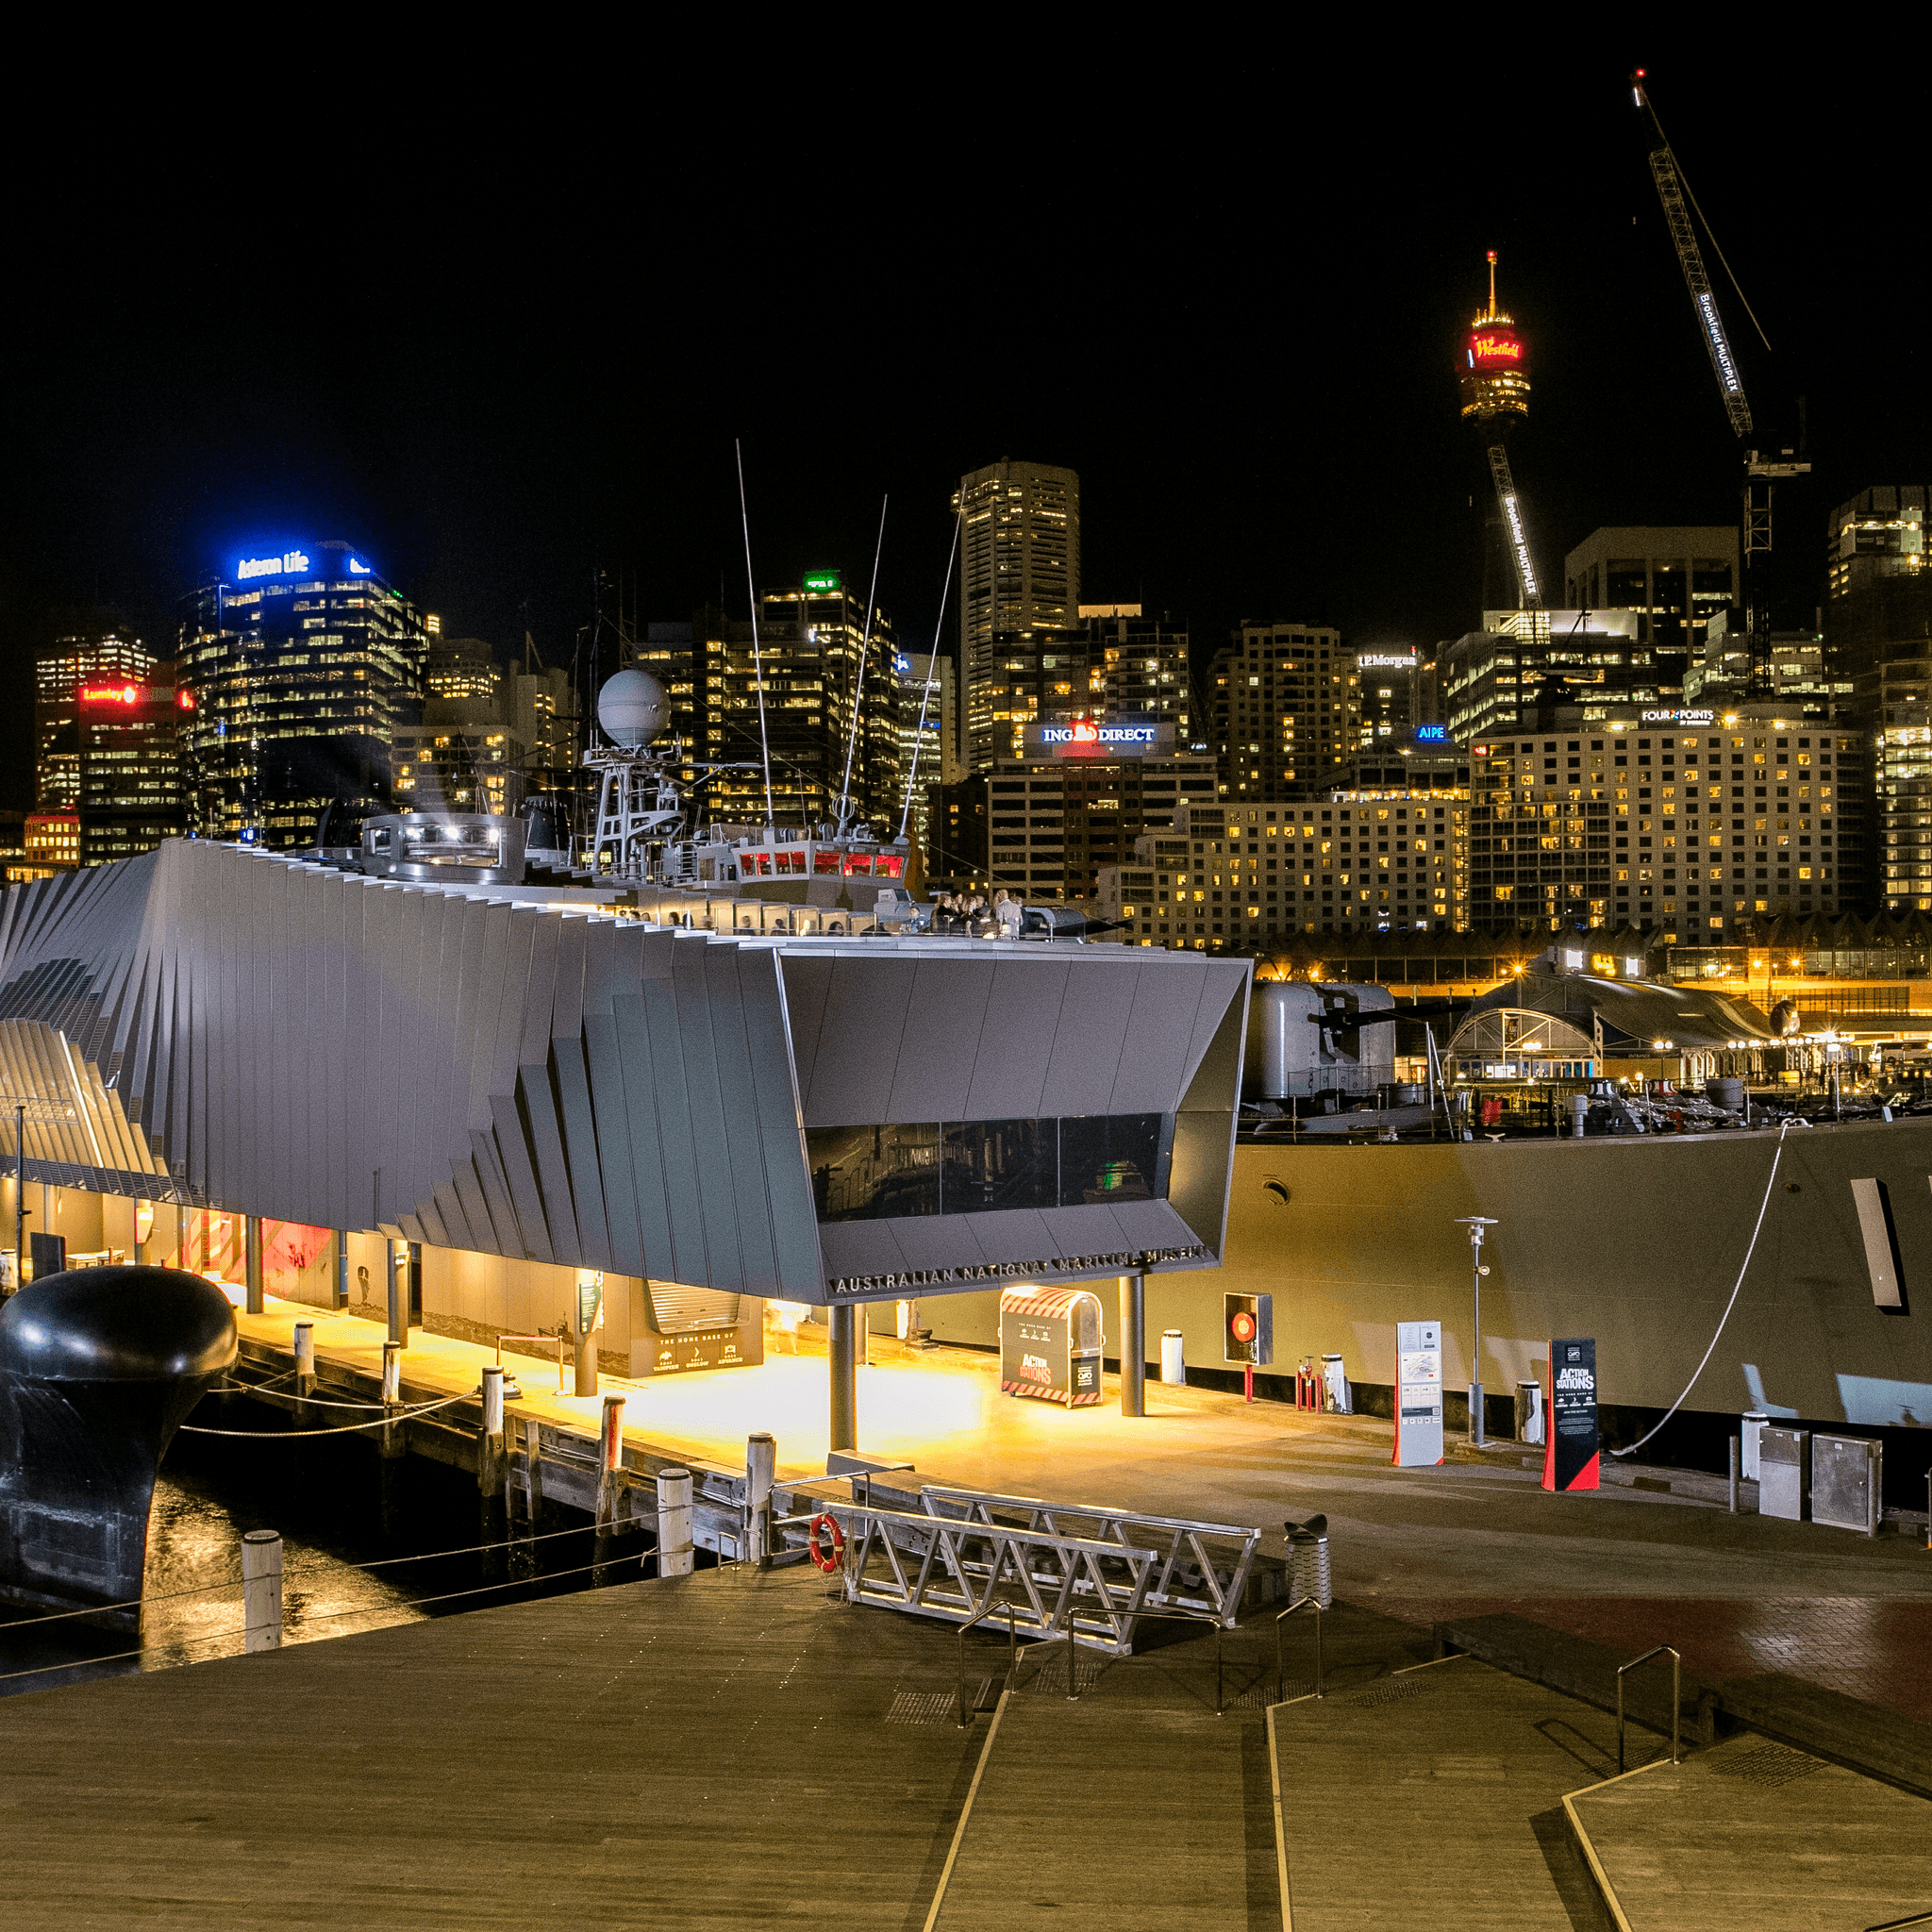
830,1558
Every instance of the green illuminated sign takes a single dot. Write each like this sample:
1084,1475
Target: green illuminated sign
820,580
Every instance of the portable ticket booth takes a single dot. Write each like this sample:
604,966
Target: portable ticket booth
1050,1341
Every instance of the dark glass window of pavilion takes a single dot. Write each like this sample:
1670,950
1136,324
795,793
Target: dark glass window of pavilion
982,1167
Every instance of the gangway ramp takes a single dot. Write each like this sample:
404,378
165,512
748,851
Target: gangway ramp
1096,1574
1134,1806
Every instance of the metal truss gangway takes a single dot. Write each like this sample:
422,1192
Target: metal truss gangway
1088,1572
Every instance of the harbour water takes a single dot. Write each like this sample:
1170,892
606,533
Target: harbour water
341,1574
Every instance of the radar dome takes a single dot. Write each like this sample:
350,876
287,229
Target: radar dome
630,708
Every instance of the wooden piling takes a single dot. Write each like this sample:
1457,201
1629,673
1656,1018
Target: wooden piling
262,1590
609,1480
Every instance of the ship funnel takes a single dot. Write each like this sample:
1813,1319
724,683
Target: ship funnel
630,708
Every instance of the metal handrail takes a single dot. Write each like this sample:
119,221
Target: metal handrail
985,1610
556,1339
1186,1617
1676,1697
1280,1664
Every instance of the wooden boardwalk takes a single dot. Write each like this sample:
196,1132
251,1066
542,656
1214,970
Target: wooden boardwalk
1753,1834
726,1750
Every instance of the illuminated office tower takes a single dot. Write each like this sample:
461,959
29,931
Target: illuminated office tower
1018,592
928,758
100,653
809,645
131,791
1674,580
301,666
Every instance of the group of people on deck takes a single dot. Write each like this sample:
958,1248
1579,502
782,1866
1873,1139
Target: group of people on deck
968,915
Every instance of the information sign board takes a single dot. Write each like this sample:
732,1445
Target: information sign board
1570,1438
1418,1394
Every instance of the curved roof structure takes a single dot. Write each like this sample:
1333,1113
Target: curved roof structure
1635,1012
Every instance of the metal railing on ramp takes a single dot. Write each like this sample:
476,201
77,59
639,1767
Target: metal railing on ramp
1204,1566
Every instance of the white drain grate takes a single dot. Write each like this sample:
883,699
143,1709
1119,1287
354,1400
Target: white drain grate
924,1707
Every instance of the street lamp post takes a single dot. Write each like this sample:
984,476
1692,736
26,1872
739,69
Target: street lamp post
1475,1224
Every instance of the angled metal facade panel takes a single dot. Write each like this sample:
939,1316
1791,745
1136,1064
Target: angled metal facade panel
1009,1068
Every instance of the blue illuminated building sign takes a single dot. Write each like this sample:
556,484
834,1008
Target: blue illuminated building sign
359,569
1432,734
290,564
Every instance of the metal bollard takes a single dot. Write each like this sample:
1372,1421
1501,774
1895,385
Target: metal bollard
262,1590
392,1373
304,1357
675,1557
760,1470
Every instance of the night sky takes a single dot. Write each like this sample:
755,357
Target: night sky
1226,289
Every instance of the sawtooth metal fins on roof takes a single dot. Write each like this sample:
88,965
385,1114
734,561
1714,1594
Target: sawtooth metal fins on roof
239,1029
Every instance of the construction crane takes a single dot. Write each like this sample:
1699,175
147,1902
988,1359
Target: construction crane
1764,470
1495,397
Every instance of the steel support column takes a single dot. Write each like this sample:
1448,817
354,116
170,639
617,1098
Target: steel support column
1133,1345
842,1359
251,1235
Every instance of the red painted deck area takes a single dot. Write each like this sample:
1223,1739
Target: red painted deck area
1873,1648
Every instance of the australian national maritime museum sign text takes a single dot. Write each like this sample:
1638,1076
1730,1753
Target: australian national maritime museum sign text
1089,738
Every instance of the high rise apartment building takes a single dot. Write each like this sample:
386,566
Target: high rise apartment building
1696,831
462,669
1020,589
98,654
1139,666
543,721
1055,822
300,667
1237,876
1877,622
1284,710
1672,580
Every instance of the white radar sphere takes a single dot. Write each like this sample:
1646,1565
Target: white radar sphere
630,708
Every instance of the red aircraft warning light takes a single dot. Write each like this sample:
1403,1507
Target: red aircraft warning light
1495,371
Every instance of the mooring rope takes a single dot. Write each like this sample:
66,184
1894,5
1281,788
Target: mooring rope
1762,1207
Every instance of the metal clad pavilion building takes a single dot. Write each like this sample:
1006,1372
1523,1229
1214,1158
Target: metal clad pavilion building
822,1121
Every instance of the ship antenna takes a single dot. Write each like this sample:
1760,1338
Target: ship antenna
926,695
859,683
758,664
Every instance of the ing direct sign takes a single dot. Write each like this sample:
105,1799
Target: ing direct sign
1089,738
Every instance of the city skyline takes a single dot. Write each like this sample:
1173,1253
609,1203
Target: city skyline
1264,427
